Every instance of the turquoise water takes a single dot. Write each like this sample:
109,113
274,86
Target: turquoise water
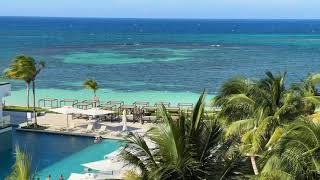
72,164
51,154
152,60
18,96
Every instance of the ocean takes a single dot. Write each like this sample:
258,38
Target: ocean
155,59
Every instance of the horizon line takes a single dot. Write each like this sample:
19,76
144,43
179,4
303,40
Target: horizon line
157,18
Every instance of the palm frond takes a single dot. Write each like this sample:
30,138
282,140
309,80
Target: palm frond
21,170
238,127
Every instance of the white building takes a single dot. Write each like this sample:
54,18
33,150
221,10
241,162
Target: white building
5,90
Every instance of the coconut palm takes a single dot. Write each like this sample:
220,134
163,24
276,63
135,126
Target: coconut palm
296,155
21,168
237,88
38,66
91,84
189,148
21,68
262,109
27,69
308,91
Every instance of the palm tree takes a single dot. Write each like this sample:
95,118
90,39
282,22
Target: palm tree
189,148
21,68
91,84
261,109
21,168
27,69
38,66
296,155
237,88
308,91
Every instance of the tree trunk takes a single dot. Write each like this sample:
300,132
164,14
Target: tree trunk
254,165
94,98
34,103
28,94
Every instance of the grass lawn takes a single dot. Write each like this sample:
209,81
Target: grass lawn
23,109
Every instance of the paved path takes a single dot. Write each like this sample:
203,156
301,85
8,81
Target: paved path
58,123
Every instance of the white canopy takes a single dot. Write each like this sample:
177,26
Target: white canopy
76,176
113,154
106,165
93,176
96,112
67,110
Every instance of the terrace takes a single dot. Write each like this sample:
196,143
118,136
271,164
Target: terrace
106,121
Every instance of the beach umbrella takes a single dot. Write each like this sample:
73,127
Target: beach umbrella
67,110
114,166
113,154
93,176
76,176
124,121
96,112
106,165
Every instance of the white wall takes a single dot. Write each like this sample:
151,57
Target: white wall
5,90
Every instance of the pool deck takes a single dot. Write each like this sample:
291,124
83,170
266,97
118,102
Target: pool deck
57,124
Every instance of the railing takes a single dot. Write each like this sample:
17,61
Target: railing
5,121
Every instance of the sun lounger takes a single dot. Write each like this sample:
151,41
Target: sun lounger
102,130
89,128
150,119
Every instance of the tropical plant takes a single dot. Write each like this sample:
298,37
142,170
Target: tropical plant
27,69
296,155
91,84
257,111
237,88
21,168
131,175
38,66
21,68
188,148
308,91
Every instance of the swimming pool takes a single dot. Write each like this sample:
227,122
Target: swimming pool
52,154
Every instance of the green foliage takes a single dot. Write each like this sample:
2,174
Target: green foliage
21,68
91,84
23,109
257,111
296,155
27,69
189,148
21,168
131,175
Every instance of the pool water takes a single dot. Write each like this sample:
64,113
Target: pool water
73,163
52,154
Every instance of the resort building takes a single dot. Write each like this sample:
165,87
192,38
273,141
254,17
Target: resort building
5,90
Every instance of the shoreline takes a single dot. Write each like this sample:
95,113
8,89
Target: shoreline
18,97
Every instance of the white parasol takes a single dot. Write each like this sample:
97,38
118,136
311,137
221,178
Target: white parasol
67,110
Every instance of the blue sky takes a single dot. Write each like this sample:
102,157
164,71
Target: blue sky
216,9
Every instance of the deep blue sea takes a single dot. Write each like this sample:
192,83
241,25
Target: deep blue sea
155,59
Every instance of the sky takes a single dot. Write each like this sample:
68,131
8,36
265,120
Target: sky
211,9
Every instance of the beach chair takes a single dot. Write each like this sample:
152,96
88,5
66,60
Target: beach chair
89,128
102,130
71,127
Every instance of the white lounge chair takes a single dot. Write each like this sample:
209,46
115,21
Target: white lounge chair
102,130
89,128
